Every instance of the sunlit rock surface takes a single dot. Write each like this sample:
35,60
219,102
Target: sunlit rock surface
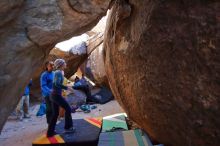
29,29
163,64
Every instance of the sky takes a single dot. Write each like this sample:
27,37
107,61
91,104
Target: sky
68,44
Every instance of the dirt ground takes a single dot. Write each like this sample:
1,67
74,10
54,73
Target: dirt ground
22,133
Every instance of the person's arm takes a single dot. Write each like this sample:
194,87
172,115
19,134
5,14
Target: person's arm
58,78
43,84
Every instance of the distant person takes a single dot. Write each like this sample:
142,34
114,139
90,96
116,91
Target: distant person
25,99
46,82
82,84
58,100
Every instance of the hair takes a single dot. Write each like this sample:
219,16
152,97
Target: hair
46,64
76,78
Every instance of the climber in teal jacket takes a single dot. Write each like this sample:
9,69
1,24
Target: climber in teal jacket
59,101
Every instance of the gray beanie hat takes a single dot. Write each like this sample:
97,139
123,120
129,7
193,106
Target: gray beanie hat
58,63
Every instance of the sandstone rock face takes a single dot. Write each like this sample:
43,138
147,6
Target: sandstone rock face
163,64
95,68
29,29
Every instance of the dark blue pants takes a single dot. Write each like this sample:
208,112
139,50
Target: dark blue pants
57,101
49,110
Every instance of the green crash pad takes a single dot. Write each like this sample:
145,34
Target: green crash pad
114,123
124,138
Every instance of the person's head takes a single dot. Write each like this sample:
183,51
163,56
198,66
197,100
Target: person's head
48,66
60,64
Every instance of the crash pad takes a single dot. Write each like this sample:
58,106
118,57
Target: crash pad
124,138
86,134
114,123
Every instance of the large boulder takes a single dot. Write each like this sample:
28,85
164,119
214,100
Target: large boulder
93,67
163,64
29,29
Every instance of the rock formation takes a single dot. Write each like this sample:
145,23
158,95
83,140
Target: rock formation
93,67
29,29
162,59
163,64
